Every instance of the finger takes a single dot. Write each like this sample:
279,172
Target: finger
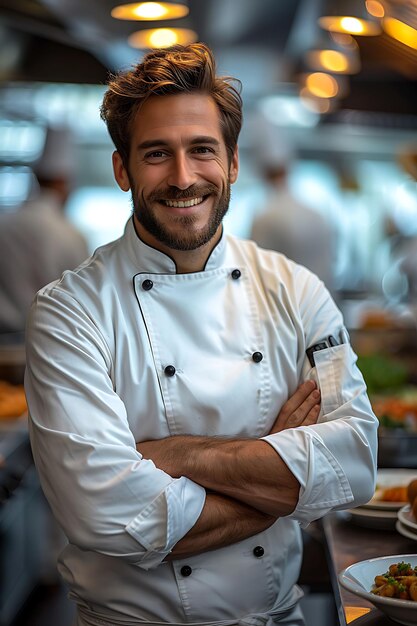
312,416
297,399
297,417
300,414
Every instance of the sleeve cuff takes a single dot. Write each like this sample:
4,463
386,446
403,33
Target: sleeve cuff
324,484
167,519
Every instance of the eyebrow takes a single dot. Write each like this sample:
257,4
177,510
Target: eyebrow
154,143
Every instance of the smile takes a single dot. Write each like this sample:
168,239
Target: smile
181,204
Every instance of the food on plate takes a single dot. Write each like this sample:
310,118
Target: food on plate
398,410
414,509
393,398
412,491
12,400
400,581
396,493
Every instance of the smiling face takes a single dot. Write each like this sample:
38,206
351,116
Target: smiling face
178,172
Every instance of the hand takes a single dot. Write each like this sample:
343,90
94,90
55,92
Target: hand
301,409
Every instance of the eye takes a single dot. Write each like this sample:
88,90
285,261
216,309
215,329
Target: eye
203,150
155,155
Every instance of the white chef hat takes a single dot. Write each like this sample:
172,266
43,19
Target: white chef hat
270,144
57,160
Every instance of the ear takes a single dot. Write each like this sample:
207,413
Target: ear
120,172
234,167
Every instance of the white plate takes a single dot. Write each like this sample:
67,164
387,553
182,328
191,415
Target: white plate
370,518
390,478
407,518
405,532
359,578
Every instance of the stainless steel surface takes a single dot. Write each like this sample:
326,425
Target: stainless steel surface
347,544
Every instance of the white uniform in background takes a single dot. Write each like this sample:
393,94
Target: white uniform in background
37,243
97,382
302,234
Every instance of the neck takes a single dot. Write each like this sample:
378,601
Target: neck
186,261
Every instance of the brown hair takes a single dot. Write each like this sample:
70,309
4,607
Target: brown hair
178,69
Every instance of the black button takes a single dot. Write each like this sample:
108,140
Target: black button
258,551
236,274
186,570
169,370
257,357
147,284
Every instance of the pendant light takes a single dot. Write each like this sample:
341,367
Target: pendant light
349,16
400,23
161,37
150,11
337,53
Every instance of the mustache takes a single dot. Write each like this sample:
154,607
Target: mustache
174,193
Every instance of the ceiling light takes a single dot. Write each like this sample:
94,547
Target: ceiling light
375,8
349,16
150,11
322,85
400,31
162,37
334,56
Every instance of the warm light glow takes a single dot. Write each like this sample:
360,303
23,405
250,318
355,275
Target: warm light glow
375,8
401,32
161,37
352,25
143,11
333,61
353,612
150,11
322,85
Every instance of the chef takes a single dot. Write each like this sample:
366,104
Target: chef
194,400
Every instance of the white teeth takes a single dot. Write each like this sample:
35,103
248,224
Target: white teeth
181,204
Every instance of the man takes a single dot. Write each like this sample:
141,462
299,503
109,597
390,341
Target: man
285,224
172,415
37,241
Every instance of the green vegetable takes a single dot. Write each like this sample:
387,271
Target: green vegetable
382,373
403,567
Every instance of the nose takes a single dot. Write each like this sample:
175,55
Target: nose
181,174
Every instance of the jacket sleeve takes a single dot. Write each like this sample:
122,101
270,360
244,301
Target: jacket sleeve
106,497
335,459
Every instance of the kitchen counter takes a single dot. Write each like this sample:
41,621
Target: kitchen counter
347,543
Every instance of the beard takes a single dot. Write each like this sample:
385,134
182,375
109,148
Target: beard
184,238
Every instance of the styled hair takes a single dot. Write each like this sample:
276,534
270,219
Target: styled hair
174,70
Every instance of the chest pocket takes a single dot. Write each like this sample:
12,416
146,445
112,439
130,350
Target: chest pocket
207,346
334,371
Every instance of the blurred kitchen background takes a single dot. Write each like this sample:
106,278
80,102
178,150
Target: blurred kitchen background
334,81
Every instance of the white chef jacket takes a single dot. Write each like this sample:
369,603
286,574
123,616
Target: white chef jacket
37,244
99,343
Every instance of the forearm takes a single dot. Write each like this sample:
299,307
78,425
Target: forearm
222,522
248,470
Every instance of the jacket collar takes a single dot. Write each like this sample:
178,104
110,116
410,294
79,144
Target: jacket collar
148,259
